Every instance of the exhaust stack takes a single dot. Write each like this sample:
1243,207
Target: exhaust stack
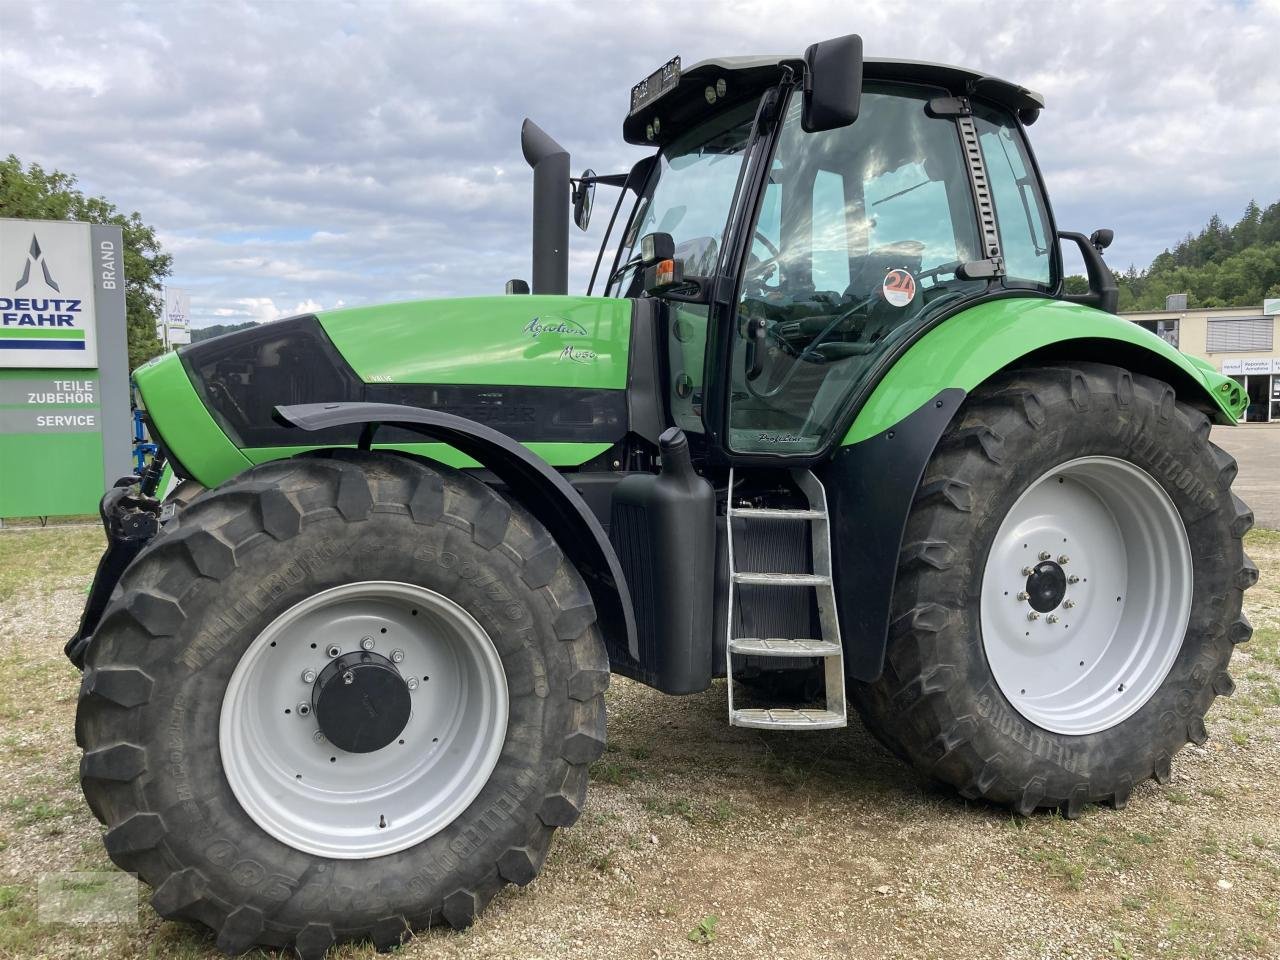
550,163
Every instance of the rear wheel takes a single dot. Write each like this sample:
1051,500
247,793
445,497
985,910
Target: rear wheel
1069,592
338,698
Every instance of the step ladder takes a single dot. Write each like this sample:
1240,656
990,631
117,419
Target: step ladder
818,579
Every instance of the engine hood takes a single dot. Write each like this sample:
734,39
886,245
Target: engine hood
528,340
549,371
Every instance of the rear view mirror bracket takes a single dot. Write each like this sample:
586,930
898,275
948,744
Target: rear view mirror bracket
1103,291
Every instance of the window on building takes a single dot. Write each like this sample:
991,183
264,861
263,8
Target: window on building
1240,334
1166,330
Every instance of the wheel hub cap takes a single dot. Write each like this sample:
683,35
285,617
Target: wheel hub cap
361,702
1047,586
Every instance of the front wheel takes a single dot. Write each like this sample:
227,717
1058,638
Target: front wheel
1068,594
338,698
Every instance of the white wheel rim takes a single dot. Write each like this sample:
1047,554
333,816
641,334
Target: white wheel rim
1094,658
361,805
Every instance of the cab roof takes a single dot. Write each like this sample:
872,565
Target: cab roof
750,74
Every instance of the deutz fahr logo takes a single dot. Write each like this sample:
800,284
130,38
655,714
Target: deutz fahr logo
40,311
34,256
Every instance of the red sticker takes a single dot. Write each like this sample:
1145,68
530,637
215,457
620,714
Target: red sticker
899,287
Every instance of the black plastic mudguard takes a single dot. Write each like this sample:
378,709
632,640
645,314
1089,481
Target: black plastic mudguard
871,487
537,486
130,520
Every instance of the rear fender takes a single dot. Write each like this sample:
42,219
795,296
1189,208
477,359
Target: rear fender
872,478
532,482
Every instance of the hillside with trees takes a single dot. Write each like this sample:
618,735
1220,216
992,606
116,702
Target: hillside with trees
218,329
1221,266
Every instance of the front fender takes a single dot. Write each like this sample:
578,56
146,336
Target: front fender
530,480
873,476
971,346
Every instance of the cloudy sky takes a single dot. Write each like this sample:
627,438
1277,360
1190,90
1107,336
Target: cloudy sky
299,155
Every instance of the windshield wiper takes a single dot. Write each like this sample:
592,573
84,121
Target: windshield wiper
900,193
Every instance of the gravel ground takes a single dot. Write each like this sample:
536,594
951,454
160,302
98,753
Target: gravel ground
800,846
1257,447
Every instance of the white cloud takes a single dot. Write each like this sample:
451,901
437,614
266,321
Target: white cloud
314,154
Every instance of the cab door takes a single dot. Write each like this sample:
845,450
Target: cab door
856,241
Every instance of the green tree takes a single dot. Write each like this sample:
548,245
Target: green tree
1221,266
37,194
218,329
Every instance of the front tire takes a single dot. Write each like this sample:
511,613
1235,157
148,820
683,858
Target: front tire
1074,674
209,641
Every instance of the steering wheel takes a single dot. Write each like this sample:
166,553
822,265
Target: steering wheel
809,354
760,270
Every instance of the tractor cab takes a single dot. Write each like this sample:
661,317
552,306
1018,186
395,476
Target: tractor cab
811,244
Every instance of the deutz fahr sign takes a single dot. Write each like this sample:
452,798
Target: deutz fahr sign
47,296
64,378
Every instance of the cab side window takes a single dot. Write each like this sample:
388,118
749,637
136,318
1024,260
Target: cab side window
1020,210
830,232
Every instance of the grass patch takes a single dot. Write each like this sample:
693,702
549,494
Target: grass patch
48,559
611,772
670,807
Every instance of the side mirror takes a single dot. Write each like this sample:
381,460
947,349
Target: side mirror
517,287
1103,293
832,84
584,196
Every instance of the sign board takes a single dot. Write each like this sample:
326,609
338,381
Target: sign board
176,322
1258,366
46,295
65,422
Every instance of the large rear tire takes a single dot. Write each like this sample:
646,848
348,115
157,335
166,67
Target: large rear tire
1068,594
204,729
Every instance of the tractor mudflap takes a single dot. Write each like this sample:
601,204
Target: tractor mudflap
130,521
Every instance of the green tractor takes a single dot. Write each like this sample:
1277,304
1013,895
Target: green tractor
832,430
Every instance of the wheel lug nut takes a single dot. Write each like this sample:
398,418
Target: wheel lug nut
1027,571
1073,579
1051,619
308,676
412,683
1024,595
1044,554
333,650
304,708
366,643
1033,615
318,737
397,656
1068,604
1064,559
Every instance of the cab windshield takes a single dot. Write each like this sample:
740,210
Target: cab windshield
688,196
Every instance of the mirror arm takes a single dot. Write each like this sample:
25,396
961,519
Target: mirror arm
694,290
1103,293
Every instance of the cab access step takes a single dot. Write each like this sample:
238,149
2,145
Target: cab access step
762,540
